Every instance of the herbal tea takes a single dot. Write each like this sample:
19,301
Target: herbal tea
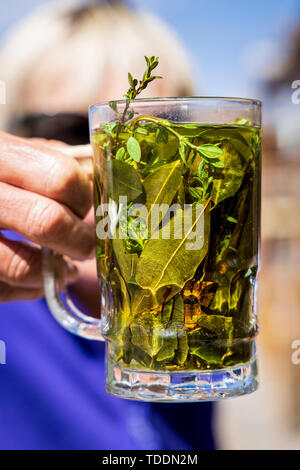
170,304
177,207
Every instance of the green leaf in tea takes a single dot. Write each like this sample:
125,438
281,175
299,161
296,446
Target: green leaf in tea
170,261
231,219
182,351
167,312
160,188
123,180
210,151
120,154
126,260
222,326
228,180
141,337
134,149
182,149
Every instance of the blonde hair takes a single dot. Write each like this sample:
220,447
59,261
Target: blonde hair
66,56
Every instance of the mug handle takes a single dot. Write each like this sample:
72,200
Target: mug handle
69,316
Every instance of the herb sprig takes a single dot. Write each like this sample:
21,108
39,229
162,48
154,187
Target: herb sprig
210,153
133,91
136,87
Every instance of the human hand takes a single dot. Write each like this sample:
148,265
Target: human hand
44,196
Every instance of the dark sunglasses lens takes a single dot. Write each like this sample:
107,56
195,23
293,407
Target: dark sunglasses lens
69,128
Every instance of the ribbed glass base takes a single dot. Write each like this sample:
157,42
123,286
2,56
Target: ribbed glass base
181,386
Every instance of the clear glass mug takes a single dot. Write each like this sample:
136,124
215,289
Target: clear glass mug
177,204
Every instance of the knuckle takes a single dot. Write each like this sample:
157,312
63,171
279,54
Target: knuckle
47,222
65,180
23,262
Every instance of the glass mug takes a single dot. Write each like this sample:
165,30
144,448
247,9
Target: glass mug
177,207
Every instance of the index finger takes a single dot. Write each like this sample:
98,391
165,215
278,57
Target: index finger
82,153
40,168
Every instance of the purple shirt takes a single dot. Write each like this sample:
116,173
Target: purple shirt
52,394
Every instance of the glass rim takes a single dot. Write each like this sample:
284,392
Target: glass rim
252,101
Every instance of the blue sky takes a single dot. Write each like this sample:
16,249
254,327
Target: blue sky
220,35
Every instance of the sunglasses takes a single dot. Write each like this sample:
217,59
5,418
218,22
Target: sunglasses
71,128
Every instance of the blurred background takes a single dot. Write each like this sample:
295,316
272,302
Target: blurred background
250,51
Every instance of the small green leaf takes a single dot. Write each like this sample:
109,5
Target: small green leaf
130,79
141,130
231,219
120,153
201,170
217,164
210,151
196,192
154,64
134,149
150,79
110,128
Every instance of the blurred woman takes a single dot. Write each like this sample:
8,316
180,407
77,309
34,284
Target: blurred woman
57,62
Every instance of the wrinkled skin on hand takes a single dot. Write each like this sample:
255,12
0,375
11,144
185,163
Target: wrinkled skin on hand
45,196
